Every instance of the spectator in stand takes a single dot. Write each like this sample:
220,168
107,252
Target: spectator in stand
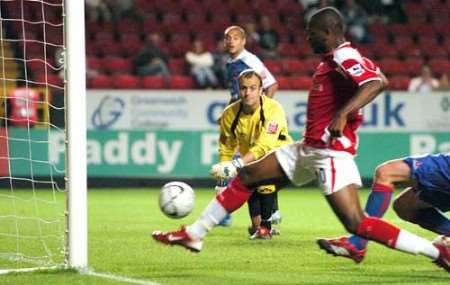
444,83
253,38
425,82
356,20
269,39
220,64
125,9
152,60
201,65
97,11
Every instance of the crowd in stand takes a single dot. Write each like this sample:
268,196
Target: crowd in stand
178,43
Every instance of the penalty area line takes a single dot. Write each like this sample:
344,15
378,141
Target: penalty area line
119,278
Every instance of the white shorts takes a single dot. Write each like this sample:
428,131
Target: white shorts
333,169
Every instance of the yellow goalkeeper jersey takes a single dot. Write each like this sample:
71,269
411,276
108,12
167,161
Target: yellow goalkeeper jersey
259,133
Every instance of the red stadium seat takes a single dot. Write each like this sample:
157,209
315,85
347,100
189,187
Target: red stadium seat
100,82
177,66
300,82
127,25
153,82
289,50
439,66
94,62
125,81
181,82
399,82
399,29
414,64
117,65
434,51
392,66
274,66
296,66
283,82
108,48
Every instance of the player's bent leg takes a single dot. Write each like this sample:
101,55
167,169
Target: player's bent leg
345,204
263,171
180,237
411,208
386,174
406,205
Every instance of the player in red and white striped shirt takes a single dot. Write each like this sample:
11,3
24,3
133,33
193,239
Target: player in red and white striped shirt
343,83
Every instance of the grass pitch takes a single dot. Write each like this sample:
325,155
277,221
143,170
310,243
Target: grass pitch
120,223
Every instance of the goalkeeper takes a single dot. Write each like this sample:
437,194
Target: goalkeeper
255,124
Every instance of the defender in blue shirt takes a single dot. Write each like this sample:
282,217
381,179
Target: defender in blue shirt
240,60
422,203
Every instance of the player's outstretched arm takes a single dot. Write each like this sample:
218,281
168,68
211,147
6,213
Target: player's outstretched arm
365,94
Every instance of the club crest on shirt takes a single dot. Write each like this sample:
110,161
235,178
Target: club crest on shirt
272,128
356,70
417,164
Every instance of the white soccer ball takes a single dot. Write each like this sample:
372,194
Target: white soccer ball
176,199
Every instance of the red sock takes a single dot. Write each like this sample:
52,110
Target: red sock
234,196
377,187
378,230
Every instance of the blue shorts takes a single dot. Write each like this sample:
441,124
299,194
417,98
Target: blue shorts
432,173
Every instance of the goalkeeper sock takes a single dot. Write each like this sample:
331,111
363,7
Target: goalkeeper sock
377,204
432,219
385,233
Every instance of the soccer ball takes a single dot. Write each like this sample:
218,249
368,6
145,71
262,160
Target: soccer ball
176,199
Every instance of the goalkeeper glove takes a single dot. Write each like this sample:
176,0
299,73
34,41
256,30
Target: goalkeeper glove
227,169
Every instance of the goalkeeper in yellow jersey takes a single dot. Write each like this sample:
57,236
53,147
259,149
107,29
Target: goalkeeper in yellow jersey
255,124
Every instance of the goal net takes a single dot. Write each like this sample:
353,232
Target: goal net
34,185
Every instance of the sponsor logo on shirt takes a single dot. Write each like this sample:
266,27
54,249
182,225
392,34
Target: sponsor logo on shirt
356,70
272,128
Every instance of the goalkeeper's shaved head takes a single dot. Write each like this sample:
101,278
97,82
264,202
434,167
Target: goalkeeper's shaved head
328,18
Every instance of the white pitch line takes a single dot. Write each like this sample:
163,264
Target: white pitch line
120,278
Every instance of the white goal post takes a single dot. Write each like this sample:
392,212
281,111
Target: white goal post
42,54
76,164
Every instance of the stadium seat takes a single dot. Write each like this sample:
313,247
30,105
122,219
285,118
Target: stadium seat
439,66
128,26
400,82
177,66
289,50
283,82
300,82
94,63
413,64
274,66
296,66
392,66
108,48
181,82
153,82
125,81
100,82
117,65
